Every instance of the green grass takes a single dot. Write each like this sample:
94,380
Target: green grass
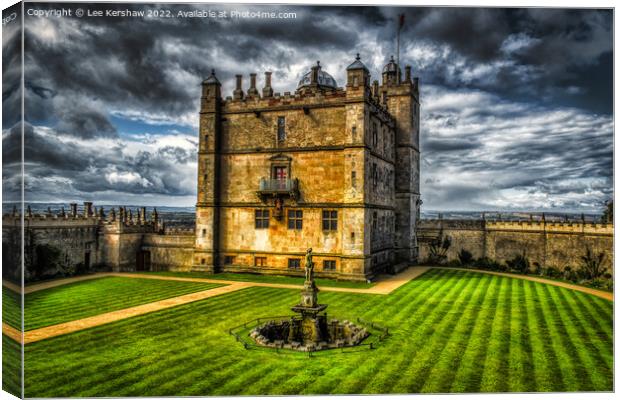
96,296
11,307
264,279
452,331
11,366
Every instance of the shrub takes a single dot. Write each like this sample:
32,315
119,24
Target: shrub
465,257
552,272
438,249
489,264
538,269
519,263
592,264
569,274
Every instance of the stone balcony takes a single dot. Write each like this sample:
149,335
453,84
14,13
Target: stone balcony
278,188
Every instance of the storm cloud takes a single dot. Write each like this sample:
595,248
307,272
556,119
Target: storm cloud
516,103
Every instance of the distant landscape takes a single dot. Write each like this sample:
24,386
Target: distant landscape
185,216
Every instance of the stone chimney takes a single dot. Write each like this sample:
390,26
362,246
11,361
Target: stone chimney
88,208
73,210
238,92
375,89
267,90
408,74
252,91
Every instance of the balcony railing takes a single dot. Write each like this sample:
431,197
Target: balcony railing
275,187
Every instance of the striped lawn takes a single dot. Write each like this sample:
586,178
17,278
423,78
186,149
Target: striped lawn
452,331
97,296
11,308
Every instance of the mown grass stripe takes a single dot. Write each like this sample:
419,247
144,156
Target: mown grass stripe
590,329
423,338
442,374
469,373
552,330
520,363
587,368
496,373
393,365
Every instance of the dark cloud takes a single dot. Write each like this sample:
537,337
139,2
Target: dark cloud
518,101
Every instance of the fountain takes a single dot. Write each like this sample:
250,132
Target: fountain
310,330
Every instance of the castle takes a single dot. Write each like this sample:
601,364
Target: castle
335,169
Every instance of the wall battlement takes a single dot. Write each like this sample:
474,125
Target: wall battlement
548,243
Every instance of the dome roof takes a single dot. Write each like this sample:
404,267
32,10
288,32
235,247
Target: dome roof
357,64
391,66
324,79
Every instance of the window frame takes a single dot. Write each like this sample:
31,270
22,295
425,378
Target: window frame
294,263
296,217
261,221
329,220
329,262
263,261
281,128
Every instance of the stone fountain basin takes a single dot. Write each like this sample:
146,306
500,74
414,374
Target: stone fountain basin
334,334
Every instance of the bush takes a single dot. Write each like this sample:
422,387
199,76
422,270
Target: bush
592,264
465,257
519,264
552,272
489,264
569,274
438,249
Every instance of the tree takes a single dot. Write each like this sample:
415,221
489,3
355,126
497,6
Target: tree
608,213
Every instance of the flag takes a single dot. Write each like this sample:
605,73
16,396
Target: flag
401,21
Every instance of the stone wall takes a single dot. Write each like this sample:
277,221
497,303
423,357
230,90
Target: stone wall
171,251
554,244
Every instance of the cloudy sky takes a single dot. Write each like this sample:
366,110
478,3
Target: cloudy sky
516,103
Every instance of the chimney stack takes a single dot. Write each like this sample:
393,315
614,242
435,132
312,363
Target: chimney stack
88,208
252,91
73,210
238,92
375,89
267,90
408,74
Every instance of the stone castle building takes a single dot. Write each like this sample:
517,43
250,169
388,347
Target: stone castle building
335,169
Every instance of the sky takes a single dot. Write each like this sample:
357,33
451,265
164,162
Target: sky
516,104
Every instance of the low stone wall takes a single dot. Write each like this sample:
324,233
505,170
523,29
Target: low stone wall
551,244
170,252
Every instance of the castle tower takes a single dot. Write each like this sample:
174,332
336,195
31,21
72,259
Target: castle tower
402,101
207,212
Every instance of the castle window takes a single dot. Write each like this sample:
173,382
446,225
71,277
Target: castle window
354,132
204,232
329,265
261,219
203,261
355,81
375,137
294,263
260,261
281,128
295,219
206,141
229,260
353,180
374,221
374,175
330,220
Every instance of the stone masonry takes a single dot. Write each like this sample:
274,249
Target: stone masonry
335,169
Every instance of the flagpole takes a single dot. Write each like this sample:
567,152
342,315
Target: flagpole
398,49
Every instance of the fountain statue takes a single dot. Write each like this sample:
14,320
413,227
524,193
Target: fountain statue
310,330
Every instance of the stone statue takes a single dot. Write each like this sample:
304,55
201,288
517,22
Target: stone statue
309,266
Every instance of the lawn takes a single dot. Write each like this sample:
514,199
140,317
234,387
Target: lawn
92,297
452,331
291,280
